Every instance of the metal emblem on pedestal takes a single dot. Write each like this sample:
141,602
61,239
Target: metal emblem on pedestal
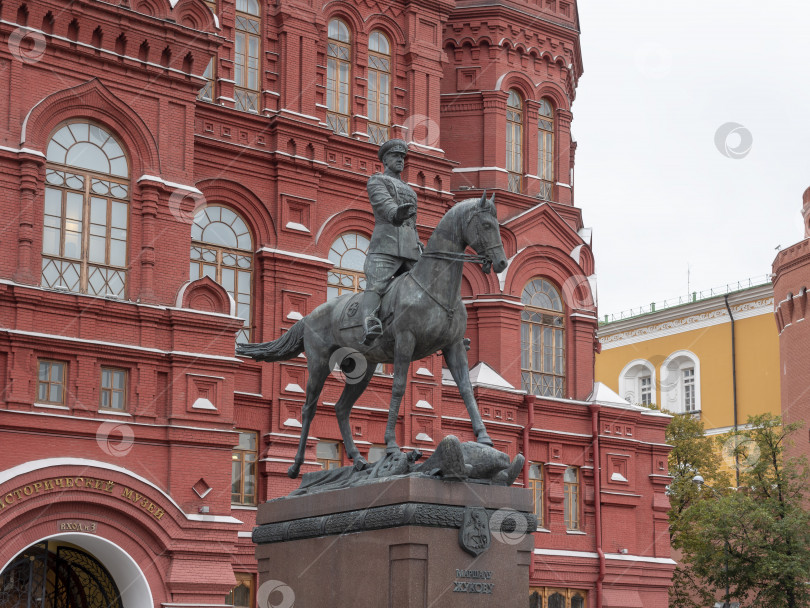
474,536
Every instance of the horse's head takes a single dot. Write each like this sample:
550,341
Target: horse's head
483,234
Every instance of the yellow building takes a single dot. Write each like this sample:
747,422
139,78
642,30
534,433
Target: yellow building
716,357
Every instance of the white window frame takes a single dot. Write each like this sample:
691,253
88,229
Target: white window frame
630,380
672,387
693,391
648,387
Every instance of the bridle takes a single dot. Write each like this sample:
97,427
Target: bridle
484,259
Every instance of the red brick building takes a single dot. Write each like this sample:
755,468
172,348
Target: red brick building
791,277
177,176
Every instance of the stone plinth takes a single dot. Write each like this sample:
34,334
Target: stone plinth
397,544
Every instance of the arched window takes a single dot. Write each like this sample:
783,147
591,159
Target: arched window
222,249
542,340
514,140
680,383
545,149
86,222
338,69
379,87
637,382
241,596
556,600
247,53
348,253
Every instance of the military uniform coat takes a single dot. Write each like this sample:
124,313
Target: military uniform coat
386,194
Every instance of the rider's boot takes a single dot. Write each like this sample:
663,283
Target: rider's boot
372,325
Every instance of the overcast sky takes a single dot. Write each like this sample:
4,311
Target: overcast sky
661,78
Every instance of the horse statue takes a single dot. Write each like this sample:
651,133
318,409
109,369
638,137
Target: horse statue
422,313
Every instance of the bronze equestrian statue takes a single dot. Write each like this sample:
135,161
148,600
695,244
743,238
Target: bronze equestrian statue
420,314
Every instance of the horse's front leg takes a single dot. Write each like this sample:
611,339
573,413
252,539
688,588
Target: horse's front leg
456,358
403,351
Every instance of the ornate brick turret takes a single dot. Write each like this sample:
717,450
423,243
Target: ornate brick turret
511,76
791,270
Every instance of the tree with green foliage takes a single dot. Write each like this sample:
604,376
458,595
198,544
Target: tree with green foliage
692,453
750,544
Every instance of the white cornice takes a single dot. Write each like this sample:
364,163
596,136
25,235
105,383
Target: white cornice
617,556
706,313
143,349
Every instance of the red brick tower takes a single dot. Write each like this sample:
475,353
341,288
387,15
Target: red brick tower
791,270
509,82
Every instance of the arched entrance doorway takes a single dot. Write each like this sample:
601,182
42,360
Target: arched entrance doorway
57,575
73,571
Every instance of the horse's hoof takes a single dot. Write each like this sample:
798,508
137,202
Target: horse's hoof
292,472
392,449
360,464
484,439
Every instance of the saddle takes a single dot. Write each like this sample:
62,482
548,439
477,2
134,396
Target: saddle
351,317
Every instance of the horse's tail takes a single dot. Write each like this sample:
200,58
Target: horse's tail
290,345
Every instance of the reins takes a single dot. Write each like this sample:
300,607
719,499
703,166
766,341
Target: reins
451,256
449,311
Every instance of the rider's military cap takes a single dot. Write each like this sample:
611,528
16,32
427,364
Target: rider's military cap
392,145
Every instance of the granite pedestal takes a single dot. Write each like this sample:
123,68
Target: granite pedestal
405,543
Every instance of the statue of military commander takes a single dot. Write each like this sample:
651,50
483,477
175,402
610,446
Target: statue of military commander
395,245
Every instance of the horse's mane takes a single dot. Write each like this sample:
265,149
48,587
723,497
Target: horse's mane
463,207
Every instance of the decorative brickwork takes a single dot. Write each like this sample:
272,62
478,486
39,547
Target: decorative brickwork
791,270
135,69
